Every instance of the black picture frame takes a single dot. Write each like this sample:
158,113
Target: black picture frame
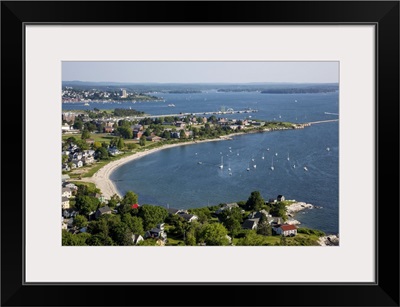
383,14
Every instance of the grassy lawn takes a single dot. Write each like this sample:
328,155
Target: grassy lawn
88,184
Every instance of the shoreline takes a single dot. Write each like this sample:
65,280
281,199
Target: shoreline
102,177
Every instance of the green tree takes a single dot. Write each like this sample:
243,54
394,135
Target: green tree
131,146
130,198
232,220
252,239
86,204
64,158
255,201
214,234
120,144
102,153
121,234
80,221
142,140
134,223
152,215
96,145
69,239
125,132
263,227
114,201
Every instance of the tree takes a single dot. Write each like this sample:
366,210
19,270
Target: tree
85,134
114,201
142,141
86,204
120,144
121,234
232,220
69,239
130,198
252,239
255,201
134,223
125,132
152,215
263,227
80,221
102,153
96,145
64,158
214,234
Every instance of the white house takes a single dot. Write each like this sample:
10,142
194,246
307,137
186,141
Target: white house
65,203
66,192
286,230
77,163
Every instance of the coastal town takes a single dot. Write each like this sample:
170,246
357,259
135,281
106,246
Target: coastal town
95,142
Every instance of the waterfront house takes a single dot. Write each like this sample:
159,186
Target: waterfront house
108,129
173,211
285,230
88,160
113,151
154,138
280,198
101,211
250,224
137,127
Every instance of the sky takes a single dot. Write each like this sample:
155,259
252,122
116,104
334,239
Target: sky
201,72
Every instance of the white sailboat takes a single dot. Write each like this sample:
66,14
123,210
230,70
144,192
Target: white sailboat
288,157
222,163
272,164
305,168
248,167
229,168
262,156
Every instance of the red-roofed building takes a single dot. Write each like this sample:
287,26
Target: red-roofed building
286,230
135,206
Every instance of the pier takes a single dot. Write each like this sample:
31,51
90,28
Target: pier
324,121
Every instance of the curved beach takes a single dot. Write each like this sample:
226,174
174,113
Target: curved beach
102,177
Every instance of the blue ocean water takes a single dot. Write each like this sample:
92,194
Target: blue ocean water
174,176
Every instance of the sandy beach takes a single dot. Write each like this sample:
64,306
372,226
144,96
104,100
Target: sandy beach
102,177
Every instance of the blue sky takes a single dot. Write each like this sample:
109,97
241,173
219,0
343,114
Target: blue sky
201,72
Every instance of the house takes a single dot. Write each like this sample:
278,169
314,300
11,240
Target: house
227,207
65,167
70,185
250,224
88,160
285,230
113,151
258,214
136,238
188,217
101,211
137,128
108,129
180,124
137,134
77,163
156,233
173,211
64,202
65,127
175,135
275,221
280,198
135,206
66,192
77,156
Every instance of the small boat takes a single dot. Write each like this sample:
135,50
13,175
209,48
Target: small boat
222,163
86,104
262,156
327,148
288,157
171,105
199,162
237,153
272,164
255,166
276,154
248,167
305,168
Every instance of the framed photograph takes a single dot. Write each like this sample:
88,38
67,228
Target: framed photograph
202,151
